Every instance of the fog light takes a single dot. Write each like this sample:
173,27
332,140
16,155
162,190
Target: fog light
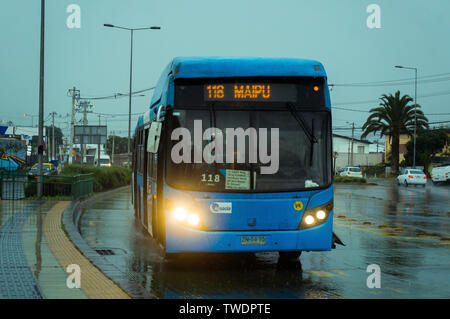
193,219
180,213
309,220
321,214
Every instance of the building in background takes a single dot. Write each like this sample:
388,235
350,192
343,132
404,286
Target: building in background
364,153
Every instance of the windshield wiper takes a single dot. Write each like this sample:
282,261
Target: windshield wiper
301,122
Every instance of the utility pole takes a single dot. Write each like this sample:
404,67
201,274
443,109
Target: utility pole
348,153
112,151
85,122
41,103
353,134
53,136
98,146
415,108
75,95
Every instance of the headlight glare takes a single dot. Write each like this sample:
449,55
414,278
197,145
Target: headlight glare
309,220
180,213
316,216
193,219
321,214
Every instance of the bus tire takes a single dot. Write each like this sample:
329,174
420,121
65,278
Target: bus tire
289,255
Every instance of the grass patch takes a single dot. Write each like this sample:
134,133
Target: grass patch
347,179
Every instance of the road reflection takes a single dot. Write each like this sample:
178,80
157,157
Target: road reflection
379,224
232,275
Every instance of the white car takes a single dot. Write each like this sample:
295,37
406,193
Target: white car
441,174
351,172
410,176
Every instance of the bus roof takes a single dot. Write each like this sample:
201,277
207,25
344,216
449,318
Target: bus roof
218,67
213,67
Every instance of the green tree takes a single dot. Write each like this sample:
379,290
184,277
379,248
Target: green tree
58,135
120,144
428,143
393,117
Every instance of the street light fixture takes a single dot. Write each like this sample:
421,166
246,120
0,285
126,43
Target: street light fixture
415,107
32,118
131,75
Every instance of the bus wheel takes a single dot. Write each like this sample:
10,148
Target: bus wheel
289,255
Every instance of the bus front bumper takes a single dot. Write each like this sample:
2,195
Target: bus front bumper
183,239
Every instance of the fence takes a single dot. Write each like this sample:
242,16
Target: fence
18,185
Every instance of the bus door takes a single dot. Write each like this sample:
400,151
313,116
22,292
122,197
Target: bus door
152,155
145,189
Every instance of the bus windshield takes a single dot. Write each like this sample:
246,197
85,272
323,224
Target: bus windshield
304,151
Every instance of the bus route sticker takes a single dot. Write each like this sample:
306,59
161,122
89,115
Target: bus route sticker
298,205
237,179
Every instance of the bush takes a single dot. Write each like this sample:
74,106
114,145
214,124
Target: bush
346,179
105,178
378,170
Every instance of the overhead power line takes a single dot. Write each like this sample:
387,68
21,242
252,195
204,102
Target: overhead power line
116,95
438,93
405,81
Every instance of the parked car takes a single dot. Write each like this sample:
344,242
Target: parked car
47,170
351,172
412,177
441,173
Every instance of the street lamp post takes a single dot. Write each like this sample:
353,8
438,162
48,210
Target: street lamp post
415,107
131,76
41,102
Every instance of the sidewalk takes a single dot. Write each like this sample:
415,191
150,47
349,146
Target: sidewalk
35,251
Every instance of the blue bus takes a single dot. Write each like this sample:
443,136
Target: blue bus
226,201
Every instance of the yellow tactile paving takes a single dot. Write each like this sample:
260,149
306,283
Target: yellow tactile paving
93,282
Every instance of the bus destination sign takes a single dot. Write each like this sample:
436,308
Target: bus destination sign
250,92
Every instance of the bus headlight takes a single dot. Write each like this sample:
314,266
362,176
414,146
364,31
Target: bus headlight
321,214
180,213
309,220
185,215
193,219
316,216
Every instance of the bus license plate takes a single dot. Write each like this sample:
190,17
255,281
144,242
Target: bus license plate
253,240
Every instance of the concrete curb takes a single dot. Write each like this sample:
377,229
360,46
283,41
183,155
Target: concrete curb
71,219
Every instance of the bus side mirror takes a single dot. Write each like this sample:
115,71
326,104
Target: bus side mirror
161,112
154,134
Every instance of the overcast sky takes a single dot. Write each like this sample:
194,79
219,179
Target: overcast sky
95,59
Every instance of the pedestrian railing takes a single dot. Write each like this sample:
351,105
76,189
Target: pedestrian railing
18,185
12,184
82,185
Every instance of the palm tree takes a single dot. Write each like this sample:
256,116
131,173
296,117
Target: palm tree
394,117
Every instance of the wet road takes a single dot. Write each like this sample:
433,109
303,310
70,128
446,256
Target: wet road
406,231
